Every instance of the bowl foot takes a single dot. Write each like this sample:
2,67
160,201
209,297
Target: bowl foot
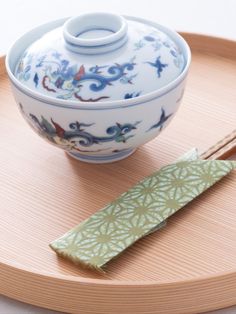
102,159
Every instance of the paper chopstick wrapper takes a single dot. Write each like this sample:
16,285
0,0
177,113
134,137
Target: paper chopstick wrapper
141,210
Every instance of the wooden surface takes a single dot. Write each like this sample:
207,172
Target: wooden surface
187,267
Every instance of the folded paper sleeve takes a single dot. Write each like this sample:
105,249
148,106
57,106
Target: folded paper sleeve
139,211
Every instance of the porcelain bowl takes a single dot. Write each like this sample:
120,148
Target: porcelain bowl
97,132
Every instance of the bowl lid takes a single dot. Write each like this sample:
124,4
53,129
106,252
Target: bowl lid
102,57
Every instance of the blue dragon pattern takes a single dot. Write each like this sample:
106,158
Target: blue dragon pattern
76,134
59,74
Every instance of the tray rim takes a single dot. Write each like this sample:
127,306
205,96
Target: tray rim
116,282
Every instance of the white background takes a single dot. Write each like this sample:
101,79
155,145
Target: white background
213,17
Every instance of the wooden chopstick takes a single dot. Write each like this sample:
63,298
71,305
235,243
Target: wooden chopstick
223,149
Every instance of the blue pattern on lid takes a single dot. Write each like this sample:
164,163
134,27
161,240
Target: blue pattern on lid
148,61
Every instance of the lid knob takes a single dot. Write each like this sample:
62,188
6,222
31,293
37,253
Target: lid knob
95,33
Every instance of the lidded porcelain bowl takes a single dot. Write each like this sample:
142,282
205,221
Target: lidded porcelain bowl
99,85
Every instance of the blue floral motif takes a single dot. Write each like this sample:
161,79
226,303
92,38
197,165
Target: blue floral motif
157,45
174,53
40,61
157,42
117,72
149,38
131,95
126,79
138,45
76,134
56,55
36,79
160,123
97,69
24,67
59,74
178,60
158,65
167,44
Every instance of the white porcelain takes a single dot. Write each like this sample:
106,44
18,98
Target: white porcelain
103,92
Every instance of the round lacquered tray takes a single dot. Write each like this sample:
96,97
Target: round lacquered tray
187,267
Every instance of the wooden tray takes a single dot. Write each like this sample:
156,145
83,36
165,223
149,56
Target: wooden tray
187,267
